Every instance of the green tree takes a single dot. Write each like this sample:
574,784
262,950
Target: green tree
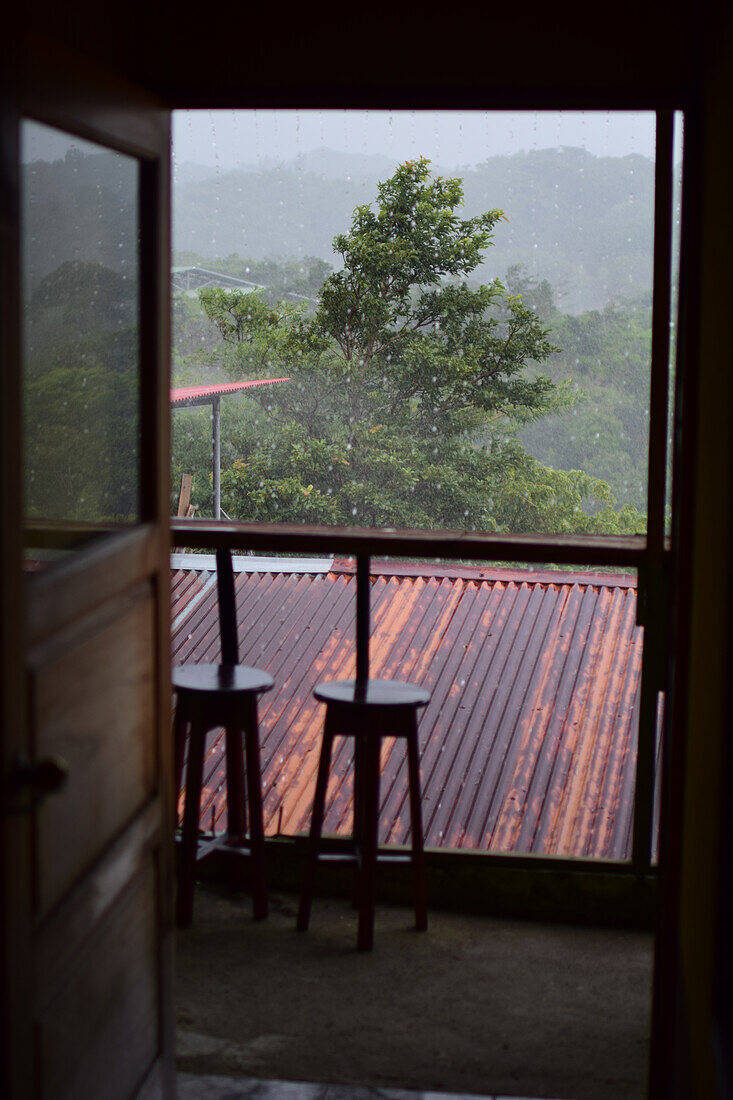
407,385
606,433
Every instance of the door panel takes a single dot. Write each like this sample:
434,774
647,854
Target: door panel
87,869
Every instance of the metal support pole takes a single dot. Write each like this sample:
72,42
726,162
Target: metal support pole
362,618
216,454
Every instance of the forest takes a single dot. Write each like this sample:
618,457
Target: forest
419,395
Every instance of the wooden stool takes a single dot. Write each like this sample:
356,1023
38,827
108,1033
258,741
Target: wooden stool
221,695
368,711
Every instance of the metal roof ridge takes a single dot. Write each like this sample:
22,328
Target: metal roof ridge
251,563
488,573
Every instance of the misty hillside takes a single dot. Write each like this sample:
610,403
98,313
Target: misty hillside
581,221
84,208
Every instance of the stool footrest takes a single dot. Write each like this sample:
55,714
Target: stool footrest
384,855
338,857
208,844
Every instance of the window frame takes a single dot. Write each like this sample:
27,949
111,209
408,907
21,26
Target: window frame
651,555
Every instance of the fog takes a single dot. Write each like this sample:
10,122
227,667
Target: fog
451,139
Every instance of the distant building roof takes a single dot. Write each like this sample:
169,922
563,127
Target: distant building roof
189,280
196,395
529,741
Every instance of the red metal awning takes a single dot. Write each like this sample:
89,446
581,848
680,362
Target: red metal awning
186,394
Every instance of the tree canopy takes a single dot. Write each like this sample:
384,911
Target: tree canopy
407,387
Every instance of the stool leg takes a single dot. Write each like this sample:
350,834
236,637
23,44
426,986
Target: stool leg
370,840
319,803
236,817
358,814
418,855
256,827
180,723
189,839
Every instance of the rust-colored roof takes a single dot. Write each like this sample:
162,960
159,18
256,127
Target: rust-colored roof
529,741
190,393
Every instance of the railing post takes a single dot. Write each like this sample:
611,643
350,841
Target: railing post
362,618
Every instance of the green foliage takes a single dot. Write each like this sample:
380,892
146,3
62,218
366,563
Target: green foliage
193,339
407,384
606,432
254,333
278,277
81,396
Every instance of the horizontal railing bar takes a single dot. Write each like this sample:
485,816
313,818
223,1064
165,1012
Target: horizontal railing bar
611,550
67,535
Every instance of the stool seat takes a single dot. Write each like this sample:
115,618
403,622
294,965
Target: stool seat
374,693
229,679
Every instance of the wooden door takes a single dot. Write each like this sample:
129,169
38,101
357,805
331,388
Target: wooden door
87,800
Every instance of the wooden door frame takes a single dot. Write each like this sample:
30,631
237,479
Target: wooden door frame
15,1003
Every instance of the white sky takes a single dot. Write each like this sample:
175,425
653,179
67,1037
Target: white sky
225,139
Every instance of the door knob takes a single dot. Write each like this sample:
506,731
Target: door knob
46,775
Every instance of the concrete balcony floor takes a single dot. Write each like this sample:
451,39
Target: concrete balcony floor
475,1006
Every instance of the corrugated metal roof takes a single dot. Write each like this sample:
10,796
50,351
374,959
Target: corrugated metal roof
529,741
190,393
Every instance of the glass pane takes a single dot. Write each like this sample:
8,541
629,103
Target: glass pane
448,315
80,330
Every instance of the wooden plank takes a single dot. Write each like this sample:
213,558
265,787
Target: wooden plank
93,703
155,336
467,545
120,114
16,1037
83,582
155,381
153,1088
661,306
64,534
63,937
108,1006
688,440
184,495
564,66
